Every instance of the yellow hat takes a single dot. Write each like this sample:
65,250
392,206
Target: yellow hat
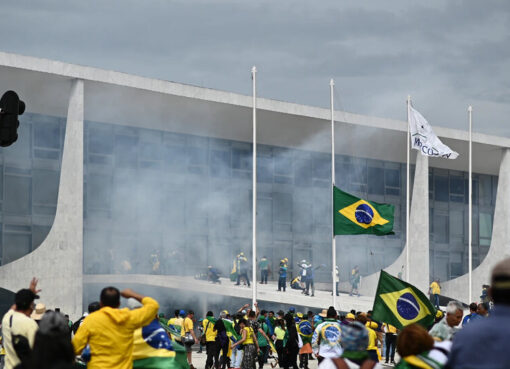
439,314
300,315
372,325
350,316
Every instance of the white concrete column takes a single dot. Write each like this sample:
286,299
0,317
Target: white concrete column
500,244
419,226
419,237
58,261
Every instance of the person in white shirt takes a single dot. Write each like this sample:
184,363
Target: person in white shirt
17,324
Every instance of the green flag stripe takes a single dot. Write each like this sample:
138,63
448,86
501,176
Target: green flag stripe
389,284
345,226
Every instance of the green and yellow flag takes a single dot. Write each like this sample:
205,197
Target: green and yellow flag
153,349
400,304
353,215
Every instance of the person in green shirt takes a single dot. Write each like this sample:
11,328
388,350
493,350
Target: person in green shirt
263,340
264,270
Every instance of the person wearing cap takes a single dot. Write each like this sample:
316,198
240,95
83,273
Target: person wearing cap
109,331
282,278
38,312
17,322
485,343
242,269
326,337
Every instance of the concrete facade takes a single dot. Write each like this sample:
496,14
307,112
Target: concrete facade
500,245
61,253
58,262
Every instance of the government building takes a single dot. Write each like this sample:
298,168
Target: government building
116,174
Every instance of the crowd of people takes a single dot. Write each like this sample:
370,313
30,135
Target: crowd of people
138,337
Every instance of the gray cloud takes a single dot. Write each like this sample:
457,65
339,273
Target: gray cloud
445,54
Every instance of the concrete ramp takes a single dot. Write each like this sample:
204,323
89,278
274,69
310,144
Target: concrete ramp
265,292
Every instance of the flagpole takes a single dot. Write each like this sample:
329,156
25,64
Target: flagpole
407,191
470,227
254,199
333,242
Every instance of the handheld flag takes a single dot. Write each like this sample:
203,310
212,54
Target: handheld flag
153,349
353,215
400,304
425,140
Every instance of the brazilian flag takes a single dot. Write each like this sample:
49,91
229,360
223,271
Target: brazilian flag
153,349
305,330
400,304
353,215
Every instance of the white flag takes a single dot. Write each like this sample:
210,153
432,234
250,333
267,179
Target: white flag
425,140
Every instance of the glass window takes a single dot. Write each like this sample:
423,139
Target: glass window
303,172
15,245
456,223
485,190
17,195
283,163
45,187
485,226
126,151
440,229
197,156
322,166
265,169
99,191
39,234
392,177
441,190
376,181
241,159
282,207
100,140
47,134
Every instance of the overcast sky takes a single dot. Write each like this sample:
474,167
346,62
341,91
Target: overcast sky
445,54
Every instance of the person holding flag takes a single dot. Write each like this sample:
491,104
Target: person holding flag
211,345
326,337
305,331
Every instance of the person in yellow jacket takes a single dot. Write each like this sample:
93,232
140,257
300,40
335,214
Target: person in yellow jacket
109,331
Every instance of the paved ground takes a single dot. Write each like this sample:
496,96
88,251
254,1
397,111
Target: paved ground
199,361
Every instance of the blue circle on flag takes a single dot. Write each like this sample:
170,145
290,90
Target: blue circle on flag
155,336
332,334
364,214
305,328
407,306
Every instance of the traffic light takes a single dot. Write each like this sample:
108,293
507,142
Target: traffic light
10,107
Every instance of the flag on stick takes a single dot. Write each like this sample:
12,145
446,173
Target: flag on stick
353,215
400,304
425,140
